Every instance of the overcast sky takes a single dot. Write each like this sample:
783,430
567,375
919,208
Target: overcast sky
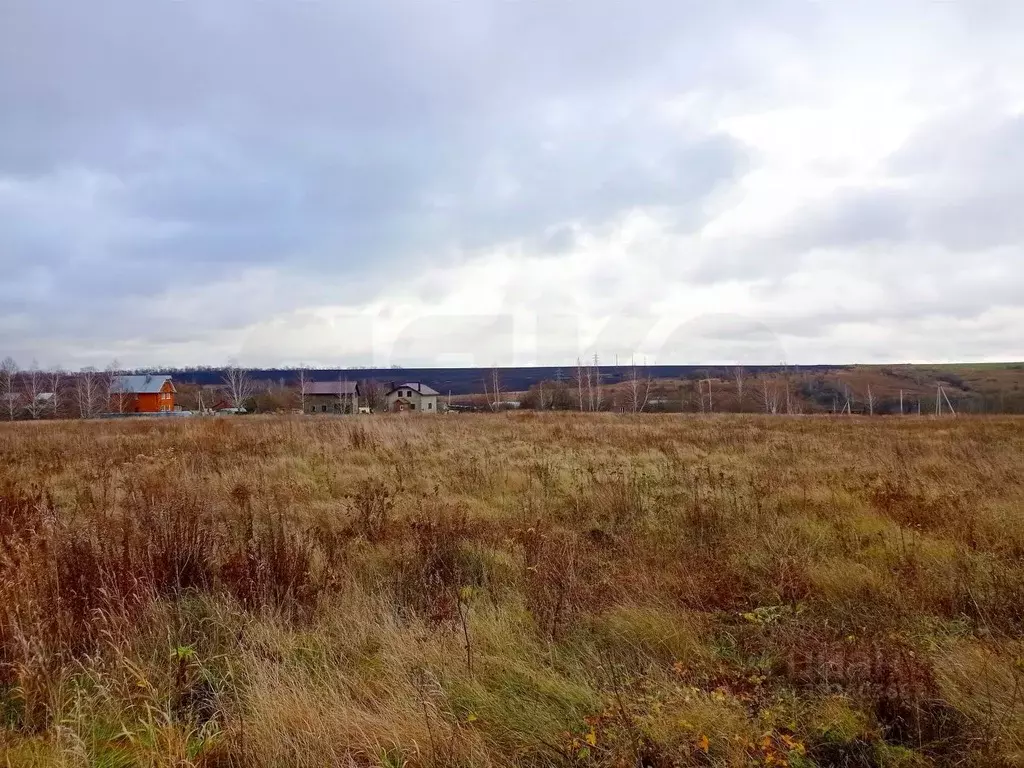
426,182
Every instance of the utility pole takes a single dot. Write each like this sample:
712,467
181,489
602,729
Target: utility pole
948,404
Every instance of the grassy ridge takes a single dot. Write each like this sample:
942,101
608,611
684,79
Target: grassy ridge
512,590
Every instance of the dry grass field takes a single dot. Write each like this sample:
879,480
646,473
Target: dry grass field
512,590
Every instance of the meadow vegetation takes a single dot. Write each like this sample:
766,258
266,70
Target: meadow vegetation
514,589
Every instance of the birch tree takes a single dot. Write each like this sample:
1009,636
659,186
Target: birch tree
579,381
238,386
739,374
769,395
345,398
55,380
34,383
493,394
119,398
8,390
373,394
303,379
639,388
89,391
588,385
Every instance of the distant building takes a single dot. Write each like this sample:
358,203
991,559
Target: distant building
412,397
332,397
143,393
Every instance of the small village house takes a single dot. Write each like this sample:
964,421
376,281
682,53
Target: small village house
412,397
332,397
142,393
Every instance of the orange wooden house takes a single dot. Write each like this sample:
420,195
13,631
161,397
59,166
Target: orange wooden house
143,393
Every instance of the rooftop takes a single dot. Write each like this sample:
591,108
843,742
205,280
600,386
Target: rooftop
423,389
140,384
332,388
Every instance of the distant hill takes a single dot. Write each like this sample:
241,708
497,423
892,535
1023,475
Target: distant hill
972,388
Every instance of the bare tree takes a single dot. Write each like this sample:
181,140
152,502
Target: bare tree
639,388
493,395
119,397
871,402
303,379
588,385
770,395
237,386
33,383
785,378
56,384
346,398
8,391
496,387
373,394
579,380
590,388
89,391
738,373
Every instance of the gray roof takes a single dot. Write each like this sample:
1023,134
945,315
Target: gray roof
332,388
423,389
142,384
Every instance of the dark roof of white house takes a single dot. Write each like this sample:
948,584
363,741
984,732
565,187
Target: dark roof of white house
141,384
423,389
332,388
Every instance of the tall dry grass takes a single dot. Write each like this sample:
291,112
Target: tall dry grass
512,590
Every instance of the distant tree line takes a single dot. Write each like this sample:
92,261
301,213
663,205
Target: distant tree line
34,393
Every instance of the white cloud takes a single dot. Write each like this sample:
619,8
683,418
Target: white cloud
511,182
